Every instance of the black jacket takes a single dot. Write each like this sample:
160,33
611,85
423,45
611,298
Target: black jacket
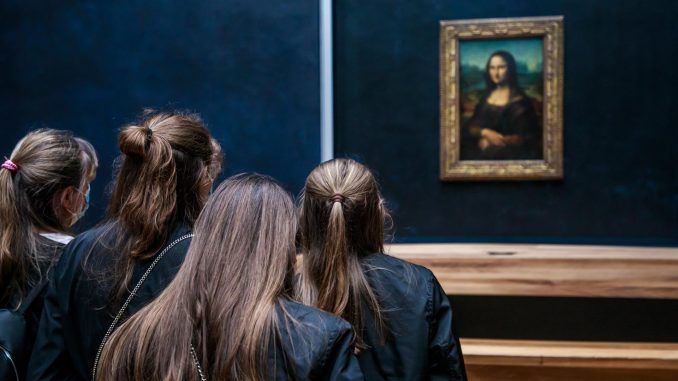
315,346
49,252
76,310
421,344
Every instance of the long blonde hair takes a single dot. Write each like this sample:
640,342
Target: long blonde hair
48,161
342,220
223,299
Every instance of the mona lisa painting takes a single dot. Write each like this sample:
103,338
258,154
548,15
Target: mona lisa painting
501,84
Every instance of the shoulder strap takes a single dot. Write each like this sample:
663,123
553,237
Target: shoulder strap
131,296
201,373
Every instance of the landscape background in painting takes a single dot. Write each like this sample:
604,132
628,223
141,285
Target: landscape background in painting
473,55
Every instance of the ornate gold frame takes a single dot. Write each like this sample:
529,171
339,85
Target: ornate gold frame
551,167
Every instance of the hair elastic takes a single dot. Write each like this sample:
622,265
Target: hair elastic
337,197
10,166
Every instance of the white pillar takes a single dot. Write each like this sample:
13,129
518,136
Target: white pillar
326,87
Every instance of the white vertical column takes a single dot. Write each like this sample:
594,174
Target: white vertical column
326,86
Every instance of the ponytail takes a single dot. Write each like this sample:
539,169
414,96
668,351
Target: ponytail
43,163
147,210
16,240
339,225
167,165
334,288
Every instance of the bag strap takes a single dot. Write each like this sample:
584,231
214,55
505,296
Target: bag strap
201,374
131,296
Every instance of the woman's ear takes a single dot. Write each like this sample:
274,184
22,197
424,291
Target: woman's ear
70,199
66,204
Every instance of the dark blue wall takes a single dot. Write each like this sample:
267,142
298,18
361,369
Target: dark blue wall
250,68
621,107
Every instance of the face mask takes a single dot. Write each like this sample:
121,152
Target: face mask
84,208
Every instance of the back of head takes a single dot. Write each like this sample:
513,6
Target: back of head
168,163
245,235
342,219
223,298
43,164
88,157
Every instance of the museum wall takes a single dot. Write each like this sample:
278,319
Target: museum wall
250,68
620,179
620,111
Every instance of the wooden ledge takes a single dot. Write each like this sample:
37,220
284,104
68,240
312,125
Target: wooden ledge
570,354
548,270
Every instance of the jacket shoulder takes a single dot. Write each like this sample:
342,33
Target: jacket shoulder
396,269
313,320
309,336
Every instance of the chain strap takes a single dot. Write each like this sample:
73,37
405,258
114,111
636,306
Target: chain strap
129,299
197,364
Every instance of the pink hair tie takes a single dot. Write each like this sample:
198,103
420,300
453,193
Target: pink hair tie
10,166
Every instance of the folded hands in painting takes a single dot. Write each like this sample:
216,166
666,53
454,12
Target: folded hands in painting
490,138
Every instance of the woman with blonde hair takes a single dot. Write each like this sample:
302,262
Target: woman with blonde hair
44,190
164,175
227,315
401,316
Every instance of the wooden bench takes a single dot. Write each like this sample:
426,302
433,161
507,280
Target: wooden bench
557,270
548,270
500,360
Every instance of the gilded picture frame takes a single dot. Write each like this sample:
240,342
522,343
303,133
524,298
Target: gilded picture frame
465,103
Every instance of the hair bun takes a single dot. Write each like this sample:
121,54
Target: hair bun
134,140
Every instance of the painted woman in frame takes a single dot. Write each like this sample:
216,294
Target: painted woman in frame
504,125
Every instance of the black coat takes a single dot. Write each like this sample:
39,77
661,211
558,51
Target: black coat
77,311
315,346
49,252
421,344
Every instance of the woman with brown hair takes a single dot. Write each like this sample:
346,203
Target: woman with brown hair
164,175
44,190
227,315
401,316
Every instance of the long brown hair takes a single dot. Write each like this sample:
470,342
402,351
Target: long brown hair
169,161
223,299
342,220
49,161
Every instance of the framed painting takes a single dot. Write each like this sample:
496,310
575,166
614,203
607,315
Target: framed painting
501,99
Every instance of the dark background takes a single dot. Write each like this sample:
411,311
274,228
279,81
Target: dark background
250,68
620,106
